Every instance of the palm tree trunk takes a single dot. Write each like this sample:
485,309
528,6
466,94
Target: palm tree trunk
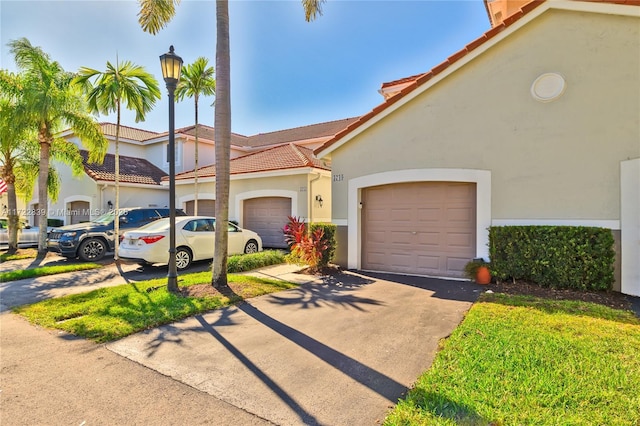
43,200
222,137
116,222
12,215
195,173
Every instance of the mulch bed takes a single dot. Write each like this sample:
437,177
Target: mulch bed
611,299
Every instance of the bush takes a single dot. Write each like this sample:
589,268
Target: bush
554,256
315,247
247,262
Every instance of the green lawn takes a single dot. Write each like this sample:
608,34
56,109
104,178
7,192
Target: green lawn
112,313
22,274
528,361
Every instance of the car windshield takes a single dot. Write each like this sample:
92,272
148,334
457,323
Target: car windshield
156,225
106,218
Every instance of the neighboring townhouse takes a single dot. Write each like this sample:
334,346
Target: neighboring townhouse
277,177
535,122
274,175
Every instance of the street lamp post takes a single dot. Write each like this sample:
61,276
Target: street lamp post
171,67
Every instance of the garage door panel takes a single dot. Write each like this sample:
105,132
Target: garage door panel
460,240
402,214
378,215
425,228
428,238
433,214
459,214
399,237
401,259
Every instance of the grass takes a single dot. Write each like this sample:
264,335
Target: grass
22,274
520,360
111,313
22,254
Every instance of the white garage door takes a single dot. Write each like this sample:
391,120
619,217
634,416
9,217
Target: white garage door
267,216
205,207
422,228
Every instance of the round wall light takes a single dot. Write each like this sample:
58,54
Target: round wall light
548,87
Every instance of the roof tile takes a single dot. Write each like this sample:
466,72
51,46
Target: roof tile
282,157
132,170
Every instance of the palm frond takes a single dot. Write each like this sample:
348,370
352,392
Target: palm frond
312,9
154,15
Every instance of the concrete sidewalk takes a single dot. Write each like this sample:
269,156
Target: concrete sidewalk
340,352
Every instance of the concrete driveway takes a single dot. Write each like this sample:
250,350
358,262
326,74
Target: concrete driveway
339,351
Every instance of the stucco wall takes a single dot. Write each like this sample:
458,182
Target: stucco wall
556,160
294,186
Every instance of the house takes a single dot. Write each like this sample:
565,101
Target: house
534,122
274,175
277,177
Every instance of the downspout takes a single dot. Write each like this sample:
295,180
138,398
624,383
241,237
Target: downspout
310,203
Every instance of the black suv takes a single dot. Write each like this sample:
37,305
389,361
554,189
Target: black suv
90,241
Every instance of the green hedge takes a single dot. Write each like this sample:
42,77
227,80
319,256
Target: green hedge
330,236
247,262
554,256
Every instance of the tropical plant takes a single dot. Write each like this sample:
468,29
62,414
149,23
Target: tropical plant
50,102
13,135
107,91
307,247
155,15
196,79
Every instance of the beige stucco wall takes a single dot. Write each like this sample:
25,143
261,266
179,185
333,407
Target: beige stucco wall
556,160
294,185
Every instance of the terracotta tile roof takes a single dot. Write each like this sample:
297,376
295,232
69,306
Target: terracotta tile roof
126,132
311,131
282,157
438,69
208,132
132,170
400,81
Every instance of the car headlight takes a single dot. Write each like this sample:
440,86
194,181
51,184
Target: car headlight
70,234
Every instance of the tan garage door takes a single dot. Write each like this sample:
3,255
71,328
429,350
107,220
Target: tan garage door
205,207
422,228
267,216
79,212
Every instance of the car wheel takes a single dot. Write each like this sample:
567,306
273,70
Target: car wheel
92,250
251,247
183,258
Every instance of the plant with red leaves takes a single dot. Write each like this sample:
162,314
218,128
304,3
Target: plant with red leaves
305,248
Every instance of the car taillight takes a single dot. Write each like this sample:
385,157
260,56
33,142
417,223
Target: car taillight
152,238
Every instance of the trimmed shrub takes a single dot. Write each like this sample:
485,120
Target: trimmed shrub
329,235
574,257
247,262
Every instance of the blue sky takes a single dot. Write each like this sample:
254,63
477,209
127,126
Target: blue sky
285,72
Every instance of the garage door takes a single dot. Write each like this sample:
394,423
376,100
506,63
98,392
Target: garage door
205,207
267,216
422,228
79,212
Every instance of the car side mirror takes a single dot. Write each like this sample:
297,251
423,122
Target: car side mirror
123,219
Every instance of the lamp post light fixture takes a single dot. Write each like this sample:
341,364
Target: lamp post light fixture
171,67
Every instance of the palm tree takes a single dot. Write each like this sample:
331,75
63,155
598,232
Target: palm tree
196,79
51,103
19,153
125,83
155,15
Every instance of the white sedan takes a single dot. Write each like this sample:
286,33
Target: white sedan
195,237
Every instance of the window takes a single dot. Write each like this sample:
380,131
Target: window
166,152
